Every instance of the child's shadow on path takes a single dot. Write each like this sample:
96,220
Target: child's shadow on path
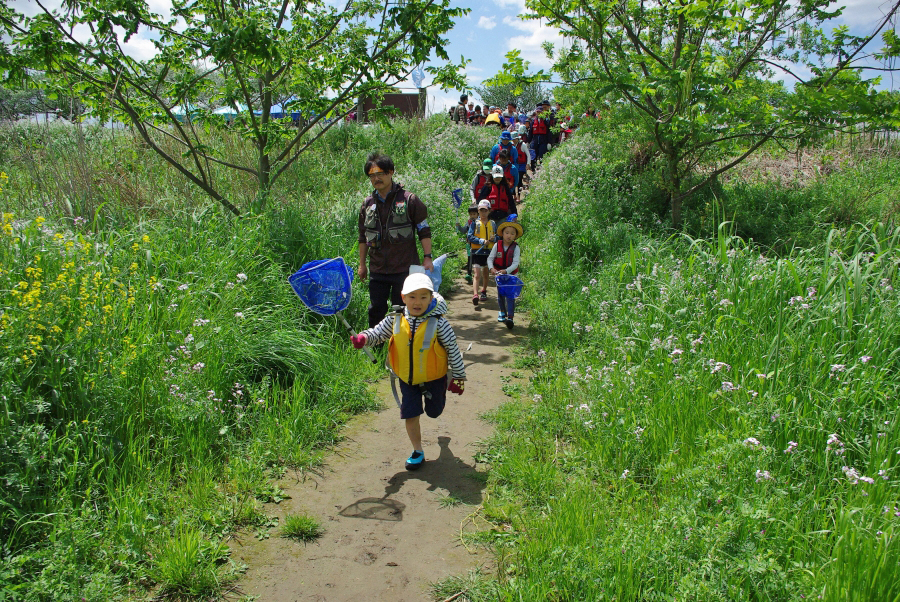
447,472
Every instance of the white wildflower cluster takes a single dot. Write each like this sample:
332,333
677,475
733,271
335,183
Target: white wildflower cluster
715,366
834,444
763,475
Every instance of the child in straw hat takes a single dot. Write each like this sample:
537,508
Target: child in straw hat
504,259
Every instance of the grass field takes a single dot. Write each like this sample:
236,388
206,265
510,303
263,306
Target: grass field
712,413
157,373
708,419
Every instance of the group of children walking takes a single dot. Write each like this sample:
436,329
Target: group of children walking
422,349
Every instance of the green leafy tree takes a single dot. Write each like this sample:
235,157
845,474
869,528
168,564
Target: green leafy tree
309,56
702,76
526,95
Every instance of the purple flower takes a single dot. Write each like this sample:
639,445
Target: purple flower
865,359
792,445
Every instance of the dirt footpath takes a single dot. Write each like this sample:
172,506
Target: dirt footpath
388,535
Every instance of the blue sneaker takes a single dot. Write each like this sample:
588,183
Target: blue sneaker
415,461
501,317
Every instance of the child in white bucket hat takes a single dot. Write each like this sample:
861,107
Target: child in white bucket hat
422,353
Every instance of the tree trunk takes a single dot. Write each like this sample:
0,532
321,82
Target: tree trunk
263,176
675,203
674,191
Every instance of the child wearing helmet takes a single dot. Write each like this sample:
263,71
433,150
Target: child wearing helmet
421,327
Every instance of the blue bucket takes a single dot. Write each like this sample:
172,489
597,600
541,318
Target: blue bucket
509,285
324,285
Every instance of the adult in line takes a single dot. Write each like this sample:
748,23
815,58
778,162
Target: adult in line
389,220
539,134
460,113
510,114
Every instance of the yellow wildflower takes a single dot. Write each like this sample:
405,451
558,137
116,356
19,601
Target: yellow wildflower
39,220
145,239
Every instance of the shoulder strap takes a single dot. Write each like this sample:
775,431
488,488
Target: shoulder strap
430,331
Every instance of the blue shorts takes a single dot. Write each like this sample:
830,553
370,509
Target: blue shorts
411,398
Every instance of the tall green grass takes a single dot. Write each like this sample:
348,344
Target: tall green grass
708,420
157,374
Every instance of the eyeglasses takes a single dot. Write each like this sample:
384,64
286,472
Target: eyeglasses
377,174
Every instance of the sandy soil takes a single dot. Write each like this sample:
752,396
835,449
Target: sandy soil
388,535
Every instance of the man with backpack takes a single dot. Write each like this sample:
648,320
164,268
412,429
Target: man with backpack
390,220
460,114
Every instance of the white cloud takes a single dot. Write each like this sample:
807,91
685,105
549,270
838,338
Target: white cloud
139,48
867,13
518,4
487,22
530,45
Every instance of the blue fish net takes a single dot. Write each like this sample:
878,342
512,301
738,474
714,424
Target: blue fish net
509,285
324,285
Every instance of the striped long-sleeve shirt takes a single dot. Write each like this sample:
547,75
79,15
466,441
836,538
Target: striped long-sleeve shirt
445,335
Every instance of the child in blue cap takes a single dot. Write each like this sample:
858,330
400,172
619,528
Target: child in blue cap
505,143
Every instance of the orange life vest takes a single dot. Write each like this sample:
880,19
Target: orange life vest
417,357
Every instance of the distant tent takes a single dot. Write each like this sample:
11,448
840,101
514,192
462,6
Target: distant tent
230,112
278,112
185,110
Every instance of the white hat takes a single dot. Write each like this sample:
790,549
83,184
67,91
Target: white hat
415,282
497,171
484,204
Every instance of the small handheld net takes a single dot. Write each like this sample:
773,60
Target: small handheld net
457,197
324,285
509,285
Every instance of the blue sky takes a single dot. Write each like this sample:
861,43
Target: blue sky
485,35
492,28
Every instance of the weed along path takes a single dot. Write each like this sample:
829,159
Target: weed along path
389,533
